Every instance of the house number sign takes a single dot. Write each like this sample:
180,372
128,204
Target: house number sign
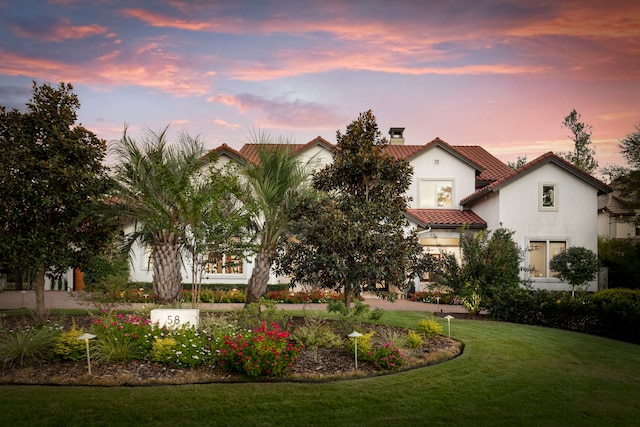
174,318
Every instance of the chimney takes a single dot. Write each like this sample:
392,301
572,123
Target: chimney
395,136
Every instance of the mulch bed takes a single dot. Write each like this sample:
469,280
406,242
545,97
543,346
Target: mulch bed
331,364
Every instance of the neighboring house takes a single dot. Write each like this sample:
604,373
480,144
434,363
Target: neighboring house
548,203
615,219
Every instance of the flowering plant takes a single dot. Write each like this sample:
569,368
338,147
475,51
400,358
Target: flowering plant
388,357
264,351
128,329
183,347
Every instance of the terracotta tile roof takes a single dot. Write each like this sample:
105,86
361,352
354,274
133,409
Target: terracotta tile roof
493,168
490,167
407,152
250,151
544,159
223,149
446,218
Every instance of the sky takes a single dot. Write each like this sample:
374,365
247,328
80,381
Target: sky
501,74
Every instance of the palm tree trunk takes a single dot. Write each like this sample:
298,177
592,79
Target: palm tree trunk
259,277
167,275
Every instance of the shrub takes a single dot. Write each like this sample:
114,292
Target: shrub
217,326
429,328
387,357
265,351
365,346
390,335
26,345
67,346
191,347
414,340
163,349
254,314
352,318
316,333
123,337
111,349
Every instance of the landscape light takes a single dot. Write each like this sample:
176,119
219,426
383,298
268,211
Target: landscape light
449,317
355,336
86,337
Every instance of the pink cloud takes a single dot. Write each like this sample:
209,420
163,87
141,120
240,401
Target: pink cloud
282,113
112,68
61,31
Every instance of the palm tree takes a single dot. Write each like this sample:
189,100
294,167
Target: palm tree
215,221
153,178
273,182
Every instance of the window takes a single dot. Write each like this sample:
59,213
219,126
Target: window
540,253
435,193
548,194
218,263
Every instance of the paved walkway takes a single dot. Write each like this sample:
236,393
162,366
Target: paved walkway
10,300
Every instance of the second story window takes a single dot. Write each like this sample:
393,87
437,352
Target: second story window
548,196
435,193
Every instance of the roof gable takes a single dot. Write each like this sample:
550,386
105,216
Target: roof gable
545,159
251,153
408,152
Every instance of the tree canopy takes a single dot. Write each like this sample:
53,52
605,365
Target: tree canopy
576,266
350,234
52,178
273,182
489,262
582,155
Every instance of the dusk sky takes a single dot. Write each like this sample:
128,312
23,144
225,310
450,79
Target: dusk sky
500,74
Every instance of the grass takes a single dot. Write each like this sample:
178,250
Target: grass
508,375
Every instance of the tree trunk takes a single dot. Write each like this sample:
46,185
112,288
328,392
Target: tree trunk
167,275
39,289
347,298
259,278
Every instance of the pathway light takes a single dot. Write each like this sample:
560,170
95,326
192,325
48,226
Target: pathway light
86,337
355,336
449,317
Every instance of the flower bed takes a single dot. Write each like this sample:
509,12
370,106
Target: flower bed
128,351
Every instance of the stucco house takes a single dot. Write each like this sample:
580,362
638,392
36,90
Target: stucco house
548,203
616,219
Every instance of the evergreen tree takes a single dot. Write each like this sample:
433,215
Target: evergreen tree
582,155
350,235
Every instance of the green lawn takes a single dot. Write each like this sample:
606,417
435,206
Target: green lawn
508,375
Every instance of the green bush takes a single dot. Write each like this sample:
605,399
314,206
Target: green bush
316,333
265,351
163,349
414,340
365,346
613,313
22,346
384,336
429,328
67,346
182,347
388,357
123,337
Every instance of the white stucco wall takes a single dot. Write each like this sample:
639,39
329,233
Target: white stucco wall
447,167
518,208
